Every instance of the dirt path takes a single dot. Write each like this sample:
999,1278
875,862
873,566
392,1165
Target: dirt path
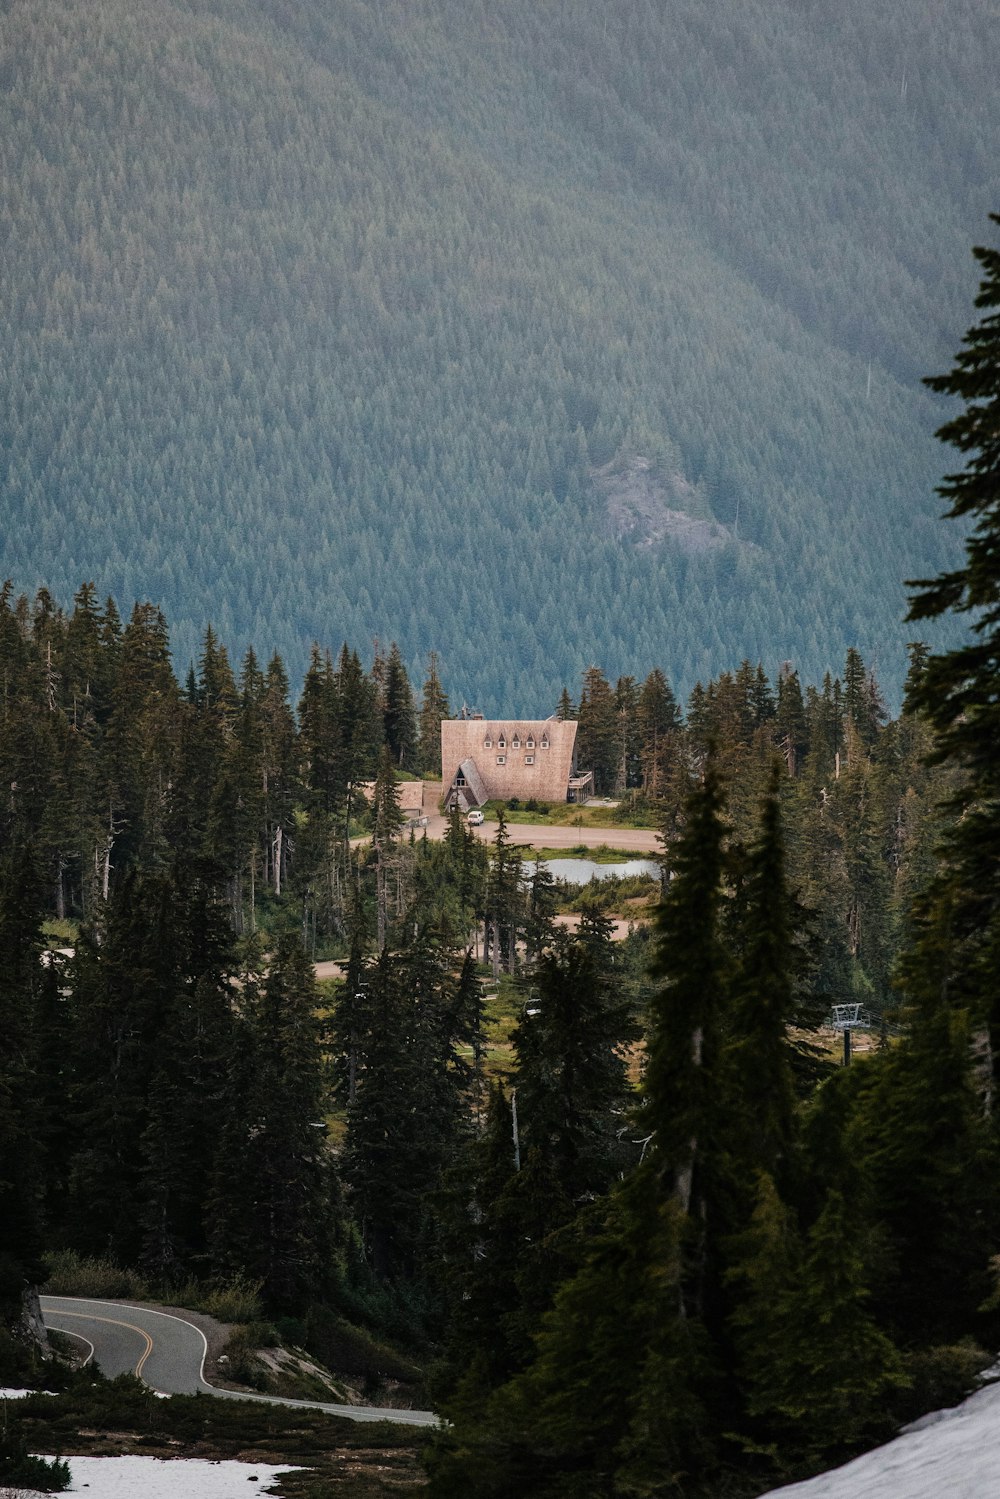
619,928
330,969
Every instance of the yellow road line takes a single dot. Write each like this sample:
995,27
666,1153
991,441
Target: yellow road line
114,1322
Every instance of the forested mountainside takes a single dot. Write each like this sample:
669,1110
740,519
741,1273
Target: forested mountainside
539,333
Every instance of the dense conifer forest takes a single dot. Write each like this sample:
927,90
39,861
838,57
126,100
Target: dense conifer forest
321,316
672,1248
601,322
192,846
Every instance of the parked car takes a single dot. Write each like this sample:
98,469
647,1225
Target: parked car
475,818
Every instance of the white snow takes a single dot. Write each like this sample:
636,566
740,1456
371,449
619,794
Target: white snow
950,1454
159,1478
20,1394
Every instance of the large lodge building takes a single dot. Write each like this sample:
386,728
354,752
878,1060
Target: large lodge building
492,759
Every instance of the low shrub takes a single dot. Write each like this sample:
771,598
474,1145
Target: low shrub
72,1274
347,1349
20,1469
240,1354
942,1376
235,1300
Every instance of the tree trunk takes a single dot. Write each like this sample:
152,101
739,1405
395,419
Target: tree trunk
278,838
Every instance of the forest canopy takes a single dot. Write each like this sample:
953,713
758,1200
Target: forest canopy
602,323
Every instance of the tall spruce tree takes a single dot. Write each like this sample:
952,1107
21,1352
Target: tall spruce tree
398,713
765,1001
684,1112
275,1197
433,708
957,689
22,1161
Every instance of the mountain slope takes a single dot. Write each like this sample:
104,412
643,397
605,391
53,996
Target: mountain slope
320,319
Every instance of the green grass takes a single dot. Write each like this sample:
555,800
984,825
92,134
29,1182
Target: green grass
615,896
602,854
569,815
503,1009
60,933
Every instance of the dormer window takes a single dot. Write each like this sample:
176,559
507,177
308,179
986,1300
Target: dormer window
501,759
515,742
545,742
487,742
501,743
529,759
529,743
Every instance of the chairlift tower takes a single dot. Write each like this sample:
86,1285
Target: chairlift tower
848,1018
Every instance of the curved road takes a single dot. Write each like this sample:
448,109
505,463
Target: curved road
168,1354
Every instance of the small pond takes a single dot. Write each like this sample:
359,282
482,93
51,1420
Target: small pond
582,871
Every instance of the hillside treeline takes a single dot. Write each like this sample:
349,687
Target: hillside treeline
114,766
318,316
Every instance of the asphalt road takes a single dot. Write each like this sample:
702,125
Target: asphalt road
168,1354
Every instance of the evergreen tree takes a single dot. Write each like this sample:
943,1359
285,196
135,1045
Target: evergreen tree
504,901
386,823
816,1368
566,709
22,1127
410,1100
957,689
572,1079
789,719
659,722
765,1003
398,713
597,740
683,1113
433,708
275,1201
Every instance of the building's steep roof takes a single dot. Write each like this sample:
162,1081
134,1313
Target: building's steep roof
474,781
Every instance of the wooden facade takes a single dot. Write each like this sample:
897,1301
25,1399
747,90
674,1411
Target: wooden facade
511,757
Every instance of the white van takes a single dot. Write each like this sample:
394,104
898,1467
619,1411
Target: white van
475,818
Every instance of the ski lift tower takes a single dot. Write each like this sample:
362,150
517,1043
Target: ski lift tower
848,1018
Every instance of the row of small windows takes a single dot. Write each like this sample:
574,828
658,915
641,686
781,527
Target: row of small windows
515,743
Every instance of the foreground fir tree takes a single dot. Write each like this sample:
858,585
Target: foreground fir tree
769,1062
22,1123
619,1392
683,1113
275,1205
816,1371
957,689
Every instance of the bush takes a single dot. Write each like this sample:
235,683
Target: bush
292,1331
233,1300
350,1350
240,1354
942,1376
19,1469
514,803
611,893
71,1274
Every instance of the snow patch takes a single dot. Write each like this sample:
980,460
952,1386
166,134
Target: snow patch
161,1478
949,1454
